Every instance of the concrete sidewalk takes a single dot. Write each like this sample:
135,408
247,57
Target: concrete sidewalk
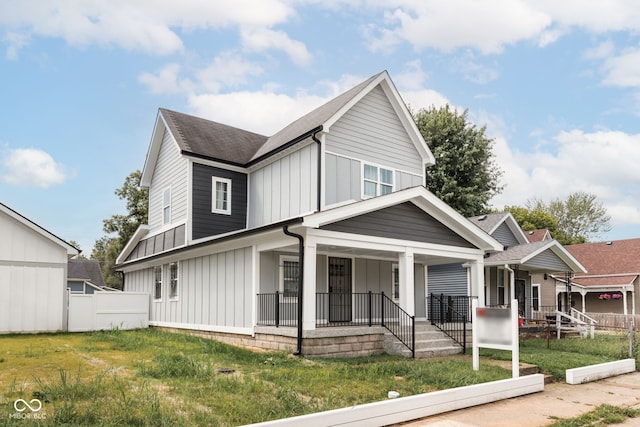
558,400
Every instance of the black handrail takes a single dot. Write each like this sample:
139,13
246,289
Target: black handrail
450,314
341,309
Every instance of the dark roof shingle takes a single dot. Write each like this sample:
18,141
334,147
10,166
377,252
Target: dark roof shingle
85,269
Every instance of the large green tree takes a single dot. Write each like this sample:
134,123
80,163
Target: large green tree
120,228
580,217
533,219
465,175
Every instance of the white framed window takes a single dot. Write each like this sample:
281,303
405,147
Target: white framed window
173,280
166,206
221,196
376,180
395,281
157,276
289,275
535,297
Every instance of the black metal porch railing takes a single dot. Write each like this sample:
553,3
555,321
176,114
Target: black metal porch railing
341,309
450,314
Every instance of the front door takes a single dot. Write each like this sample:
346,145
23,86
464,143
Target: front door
521,296
339,289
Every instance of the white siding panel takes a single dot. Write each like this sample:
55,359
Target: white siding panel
372,131
171,171
284,188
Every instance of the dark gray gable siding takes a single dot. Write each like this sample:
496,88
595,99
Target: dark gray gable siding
504,235
206,223
405,221
447,279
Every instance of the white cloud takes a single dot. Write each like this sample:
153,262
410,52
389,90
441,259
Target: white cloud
486,26
262,39
602,163
14,42
624,69
166,80
145,25
600,51
31,167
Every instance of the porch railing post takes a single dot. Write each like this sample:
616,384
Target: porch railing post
441,318
382,308
431,316
277,308
413,336
370,303
464,334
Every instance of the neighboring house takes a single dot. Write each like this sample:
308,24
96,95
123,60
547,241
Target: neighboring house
84,276
268,241
611,283
508,274
33,274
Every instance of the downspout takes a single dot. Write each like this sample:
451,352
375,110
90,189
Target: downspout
285,230
319,160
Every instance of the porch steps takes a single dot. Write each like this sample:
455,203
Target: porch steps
430,342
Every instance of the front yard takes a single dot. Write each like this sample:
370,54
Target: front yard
149,377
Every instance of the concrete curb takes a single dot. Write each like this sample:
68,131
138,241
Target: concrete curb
413,407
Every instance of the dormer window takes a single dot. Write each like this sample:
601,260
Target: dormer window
221,195
376,181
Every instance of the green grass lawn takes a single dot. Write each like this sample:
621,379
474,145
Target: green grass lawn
149,377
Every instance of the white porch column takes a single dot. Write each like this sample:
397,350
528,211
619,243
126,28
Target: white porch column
583,293
309,284
407,282
633,301
476,274
624,302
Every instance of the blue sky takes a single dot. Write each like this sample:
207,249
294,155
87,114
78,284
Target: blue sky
557,85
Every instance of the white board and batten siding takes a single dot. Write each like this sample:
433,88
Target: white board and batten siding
215,292
33,272
284,188
170,172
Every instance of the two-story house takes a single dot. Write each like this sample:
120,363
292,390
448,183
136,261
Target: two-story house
309,240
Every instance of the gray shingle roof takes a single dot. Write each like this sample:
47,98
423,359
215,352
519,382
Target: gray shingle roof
212,140
488,222
85,269
311,121
216,141
516,254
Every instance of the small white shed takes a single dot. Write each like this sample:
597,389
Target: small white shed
33,275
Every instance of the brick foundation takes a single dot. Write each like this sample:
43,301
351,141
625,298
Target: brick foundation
325,342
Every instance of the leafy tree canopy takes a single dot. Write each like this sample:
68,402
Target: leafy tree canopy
580,217
533,219
120,228
465,175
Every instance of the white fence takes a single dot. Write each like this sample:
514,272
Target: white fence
108,310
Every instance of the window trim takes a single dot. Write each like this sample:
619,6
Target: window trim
166,205
500,284
281,260
157,268
378,181
214,181
174,296
538,287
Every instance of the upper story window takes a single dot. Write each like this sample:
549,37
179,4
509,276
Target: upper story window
221,195
166,206
376,181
